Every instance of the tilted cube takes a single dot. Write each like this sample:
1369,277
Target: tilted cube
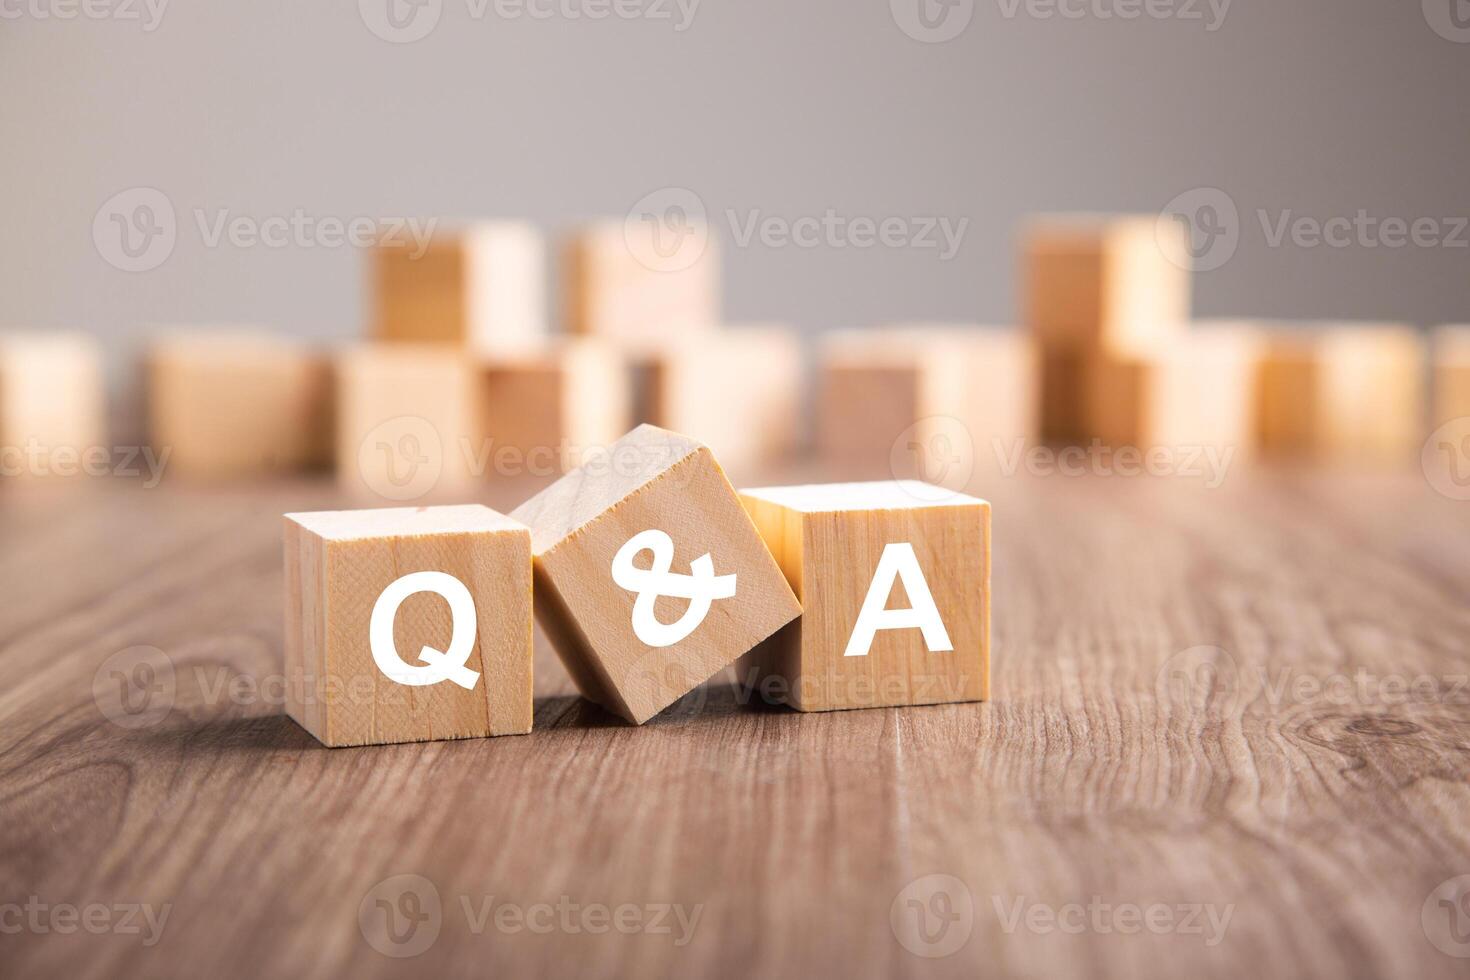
650,577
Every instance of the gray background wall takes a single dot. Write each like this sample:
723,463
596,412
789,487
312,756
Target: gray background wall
1322,107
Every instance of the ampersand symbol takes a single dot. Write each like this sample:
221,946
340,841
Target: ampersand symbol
701,588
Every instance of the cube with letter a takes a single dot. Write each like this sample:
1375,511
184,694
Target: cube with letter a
894,583
407,624
650,577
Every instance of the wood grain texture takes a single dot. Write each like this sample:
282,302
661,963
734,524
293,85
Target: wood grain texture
829,540
1324,819
337,564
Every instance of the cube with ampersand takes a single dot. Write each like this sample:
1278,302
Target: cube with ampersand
650,577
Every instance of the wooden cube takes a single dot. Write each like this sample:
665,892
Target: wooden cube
408,624
650,577
894,583
52,401
1104,282
1343,392
738,387
1451,374
233,404
914,400
482,287
1065,379
616,287
543,412
1199,391
407,423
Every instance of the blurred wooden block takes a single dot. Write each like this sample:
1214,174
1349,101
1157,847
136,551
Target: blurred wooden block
407,624
739,388
238,404
1064,381
1104,282
543,413
407,421
622,283
482,287
894,583
912,400
638,632
52,402
1197,391
1451,346
1343,392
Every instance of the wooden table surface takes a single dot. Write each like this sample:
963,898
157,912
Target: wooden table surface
1230,737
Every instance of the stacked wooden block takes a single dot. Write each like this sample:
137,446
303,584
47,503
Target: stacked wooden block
415,623
1109,307
461,375
1108,302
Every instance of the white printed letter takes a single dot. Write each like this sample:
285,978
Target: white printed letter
898,561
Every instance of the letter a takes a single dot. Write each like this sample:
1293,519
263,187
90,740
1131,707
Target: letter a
898,561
